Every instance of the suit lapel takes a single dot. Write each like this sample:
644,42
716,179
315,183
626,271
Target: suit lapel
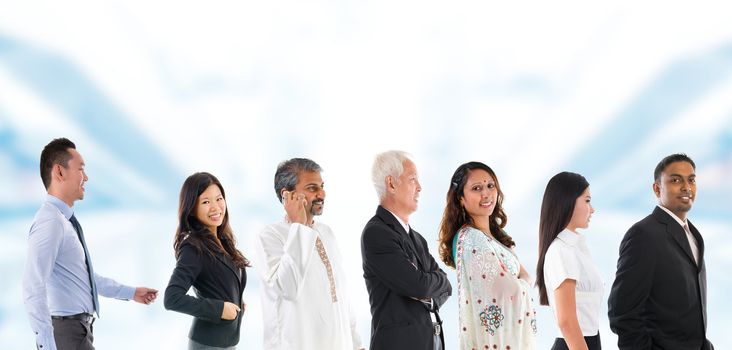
229,264
677,233
402,235
702,271
418,248
699,242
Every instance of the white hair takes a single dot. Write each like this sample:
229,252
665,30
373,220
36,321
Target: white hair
386,164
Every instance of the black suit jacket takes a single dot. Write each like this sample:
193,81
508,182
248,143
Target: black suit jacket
658,299
214,280
396,269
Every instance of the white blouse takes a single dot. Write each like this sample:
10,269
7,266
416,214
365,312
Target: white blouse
568,258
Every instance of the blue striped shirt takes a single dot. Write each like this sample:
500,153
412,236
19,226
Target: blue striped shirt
56,279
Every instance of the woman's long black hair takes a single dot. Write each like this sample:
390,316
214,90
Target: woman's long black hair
557,207
194,232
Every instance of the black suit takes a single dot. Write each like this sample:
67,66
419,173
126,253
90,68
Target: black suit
397,267
214,280
658,299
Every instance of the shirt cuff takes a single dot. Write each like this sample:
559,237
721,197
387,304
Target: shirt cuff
45,341
127,293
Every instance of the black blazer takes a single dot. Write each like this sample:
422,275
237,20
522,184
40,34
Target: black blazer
658,299
214,280
396,270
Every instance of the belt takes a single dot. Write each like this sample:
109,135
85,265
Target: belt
83,317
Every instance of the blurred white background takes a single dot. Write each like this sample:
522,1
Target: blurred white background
152,91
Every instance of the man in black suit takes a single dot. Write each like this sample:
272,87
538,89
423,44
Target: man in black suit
406,287
658,299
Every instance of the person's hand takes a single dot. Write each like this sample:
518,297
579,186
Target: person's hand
295,207
524,275
144,295
230,311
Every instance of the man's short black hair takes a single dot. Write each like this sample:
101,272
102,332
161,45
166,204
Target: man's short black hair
677,157
55,152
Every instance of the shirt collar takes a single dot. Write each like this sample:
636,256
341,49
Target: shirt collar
569,237
287,221
63,207
404,224
681,222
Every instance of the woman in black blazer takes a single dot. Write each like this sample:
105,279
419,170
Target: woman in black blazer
208,260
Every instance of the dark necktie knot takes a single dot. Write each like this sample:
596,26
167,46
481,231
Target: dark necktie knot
77,227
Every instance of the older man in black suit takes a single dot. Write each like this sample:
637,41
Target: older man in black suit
658,299
406,287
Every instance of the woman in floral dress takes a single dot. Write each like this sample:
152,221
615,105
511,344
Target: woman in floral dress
496,309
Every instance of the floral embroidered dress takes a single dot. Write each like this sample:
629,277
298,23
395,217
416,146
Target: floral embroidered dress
496,309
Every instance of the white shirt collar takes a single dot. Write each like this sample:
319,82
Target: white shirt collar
61,205
569,237
681,222
404,224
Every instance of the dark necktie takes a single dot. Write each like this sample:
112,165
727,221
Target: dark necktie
413,243
89,268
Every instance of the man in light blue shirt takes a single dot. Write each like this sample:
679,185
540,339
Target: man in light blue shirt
60,287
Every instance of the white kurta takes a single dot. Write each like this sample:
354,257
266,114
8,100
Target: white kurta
496,310
297,306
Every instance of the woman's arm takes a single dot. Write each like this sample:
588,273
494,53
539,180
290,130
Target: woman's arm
187,269
494,300
566,309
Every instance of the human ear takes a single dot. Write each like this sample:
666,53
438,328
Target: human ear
390,183
57,172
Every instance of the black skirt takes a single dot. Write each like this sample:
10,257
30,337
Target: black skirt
593,343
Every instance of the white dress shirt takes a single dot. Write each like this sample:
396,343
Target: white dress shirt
401,222
685,225
297,305
56,279
568,258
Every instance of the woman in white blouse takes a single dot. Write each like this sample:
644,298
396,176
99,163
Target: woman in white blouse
567,278
496,310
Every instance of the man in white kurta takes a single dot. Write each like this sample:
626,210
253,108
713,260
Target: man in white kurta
305,302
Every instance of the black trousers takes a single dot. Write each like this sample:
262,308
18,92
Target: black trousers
593,343
71,333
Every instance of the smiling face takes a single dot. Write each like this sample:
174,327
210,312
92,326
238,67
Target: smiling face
311,184
70,179
676,188
211,208
479,195
582,212
406,189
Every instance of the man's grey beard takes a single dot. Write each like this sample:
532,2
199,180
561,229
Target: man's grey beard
312,207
